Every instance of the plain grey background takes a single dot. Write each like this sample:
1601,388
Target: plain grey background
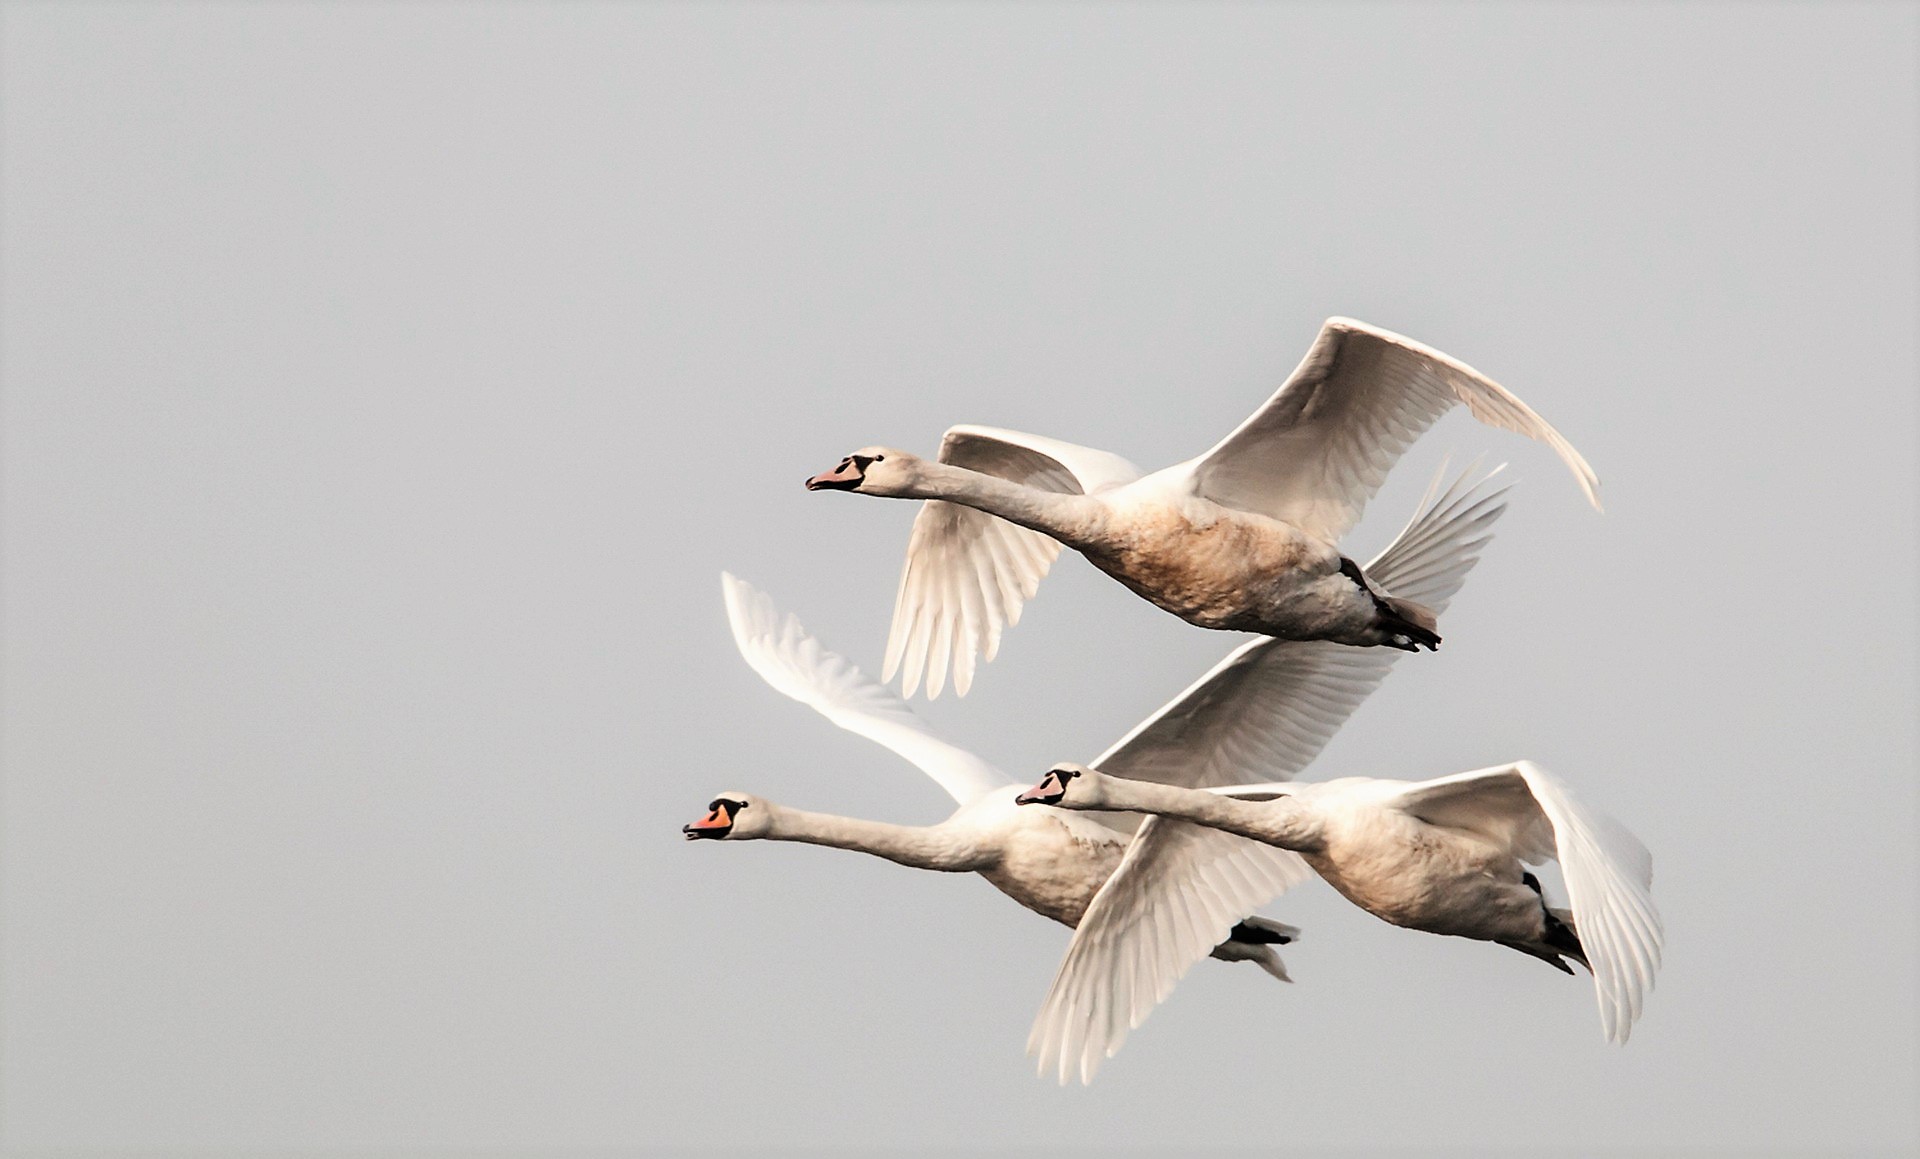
385,386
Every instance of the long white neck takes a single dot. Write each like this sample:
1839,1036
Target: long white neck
947,848
1282,822
1075,520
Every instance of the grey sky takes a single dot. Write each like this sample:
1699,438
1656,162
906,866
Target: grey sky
386,385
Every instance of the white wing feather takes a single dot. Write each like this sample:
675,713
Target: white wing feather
1321,446
1270,707
1178,891
1608,872
785,656
1267,710
968,573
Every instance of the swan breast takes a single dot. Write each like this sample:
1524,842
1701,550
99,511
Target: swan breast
1208,564
1052,861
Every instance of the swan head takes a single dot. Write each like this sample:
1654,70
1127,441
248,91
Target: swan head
1068,786
730,816
871,471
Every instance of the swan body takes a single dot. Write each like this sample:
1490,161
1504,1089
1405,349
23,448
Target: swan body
1051,861
1446,856
1233,570
1244,537
1411,874
1269,706
1053,869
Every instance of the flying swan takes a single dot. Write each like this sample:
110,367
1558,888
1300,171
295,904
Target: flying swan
1242,538
1270,704
1445,856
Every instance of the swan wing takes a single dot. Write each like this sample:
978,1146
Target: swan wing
1430,558
1267,709
787,657
1176,895
1320,447
1272,705
1608,872
969,573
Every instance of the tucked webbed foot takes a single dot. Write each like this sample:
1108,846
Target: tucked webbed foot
1408,626
1257,931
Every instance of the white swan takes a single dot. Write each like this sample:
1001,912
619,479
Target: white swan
1269,704
1050,861
1243,537
1443,856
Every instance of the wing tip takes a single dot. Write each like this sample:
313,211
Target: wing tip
1583,472
743,602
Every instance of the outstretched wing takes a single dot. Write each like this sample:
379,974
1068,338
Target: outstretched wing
1266,710
1272,705
785,656
1320,447
1607,871
1178,891
969,573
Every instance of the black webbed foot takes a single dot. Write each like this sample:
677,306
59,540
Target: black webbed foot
1253,935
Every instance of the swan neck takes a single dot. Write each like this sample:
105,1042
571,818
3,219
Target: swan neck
938,847
1281,822
1072,519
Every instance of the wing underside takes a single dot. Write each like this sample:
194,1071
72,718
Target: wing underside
968,574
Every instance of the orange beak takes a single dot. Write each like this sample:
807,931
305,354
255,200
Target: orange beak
1045,793
845,477
715,824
